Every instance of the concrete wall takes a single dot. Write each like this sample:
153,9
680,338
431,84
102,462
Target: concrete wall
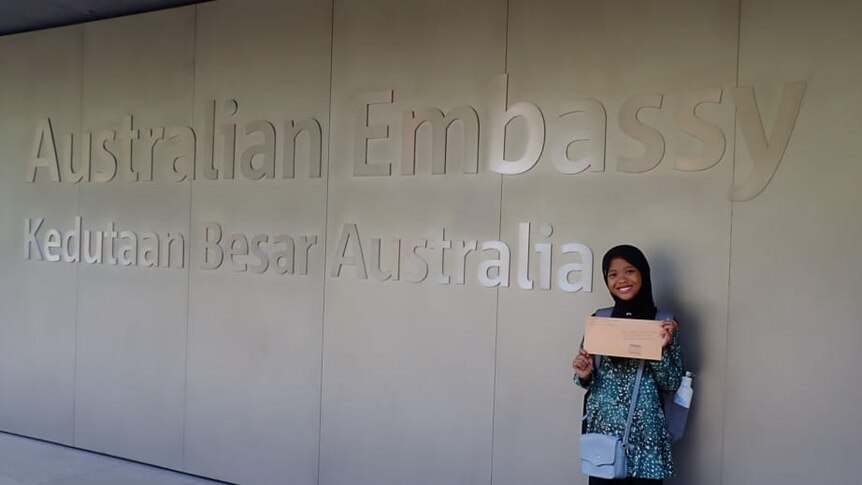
338,372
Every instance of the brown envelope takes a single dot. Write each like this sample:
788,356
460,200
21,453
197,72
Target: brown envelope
623,337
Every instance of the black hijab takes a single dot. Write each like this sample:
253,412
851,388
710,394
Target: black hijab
642,305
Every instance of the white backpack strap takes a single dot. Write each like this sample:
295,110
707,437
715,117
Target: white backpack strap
663,315
605,312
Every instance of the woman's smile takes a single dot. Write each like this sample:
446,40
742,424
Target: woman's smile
624,288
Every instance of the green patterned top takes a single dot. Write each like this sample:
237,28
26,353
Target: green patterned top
608,401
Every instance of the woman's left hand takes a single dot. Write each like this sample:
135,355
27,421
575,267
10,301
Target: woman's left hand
668,327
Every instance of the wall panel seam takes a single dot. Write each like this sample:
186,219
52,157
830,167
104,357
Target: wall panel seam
325,238
497,290
191,248
730,261
83,44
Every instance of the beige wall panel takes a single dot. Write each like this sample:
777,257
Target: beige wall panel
132,319
794,323
560,53
335,379
408,367
41,80
253,413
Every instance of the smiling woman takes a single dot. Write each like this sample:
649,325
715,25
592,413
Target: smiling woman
611,382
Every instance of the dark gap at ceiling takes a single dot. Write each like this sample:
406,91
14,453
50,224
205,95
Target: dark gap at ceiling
27,15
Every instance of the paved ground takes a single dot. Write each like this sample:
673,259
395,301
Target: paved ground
30,462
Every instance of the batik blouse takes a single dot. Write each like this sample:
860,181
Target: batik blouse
607,408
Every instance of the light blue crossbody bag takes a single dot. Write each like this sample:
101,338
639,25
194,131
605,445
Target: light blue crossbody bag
604,456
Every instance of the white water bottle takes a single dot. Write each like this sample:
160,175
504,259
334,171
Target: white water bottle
683,395
676,408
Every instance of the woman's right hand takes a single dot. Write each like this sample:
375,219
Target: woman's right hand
583,365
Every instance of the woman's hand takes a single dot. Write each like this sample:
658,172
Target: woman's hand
583,365
668,327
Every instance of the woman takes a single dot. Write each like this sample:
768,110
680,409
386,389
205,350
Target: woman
627,277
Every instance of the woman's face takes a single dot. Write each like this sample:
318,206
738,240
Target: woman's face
624,280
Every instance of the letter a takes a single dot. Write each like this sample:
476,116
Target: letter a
44,152
349,235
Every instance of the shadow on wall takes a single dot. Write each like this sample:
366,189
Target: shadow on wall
667,294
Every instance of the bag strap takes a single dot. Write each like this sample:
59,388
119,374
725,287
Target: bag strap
634,402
